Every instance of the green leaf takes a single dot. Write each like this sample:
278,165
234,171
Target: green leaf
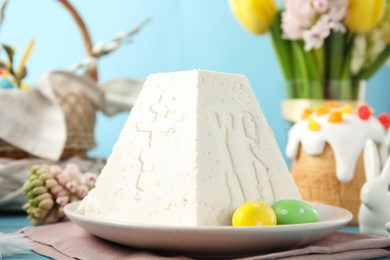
319,57
3,65
10,52
318,83
2,9
21,74
282,46
301,70
327,44
346,91
315,83
347,85
367,73
336,63
336,55
283,51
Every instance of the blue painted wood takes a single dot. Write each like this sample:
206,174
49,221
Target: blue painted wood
353,229
11,222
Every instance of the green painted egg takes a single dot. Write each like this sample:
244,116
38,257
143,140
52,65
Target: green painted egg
294,212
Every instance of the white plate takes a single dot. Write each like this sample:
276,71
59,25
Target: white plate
214,241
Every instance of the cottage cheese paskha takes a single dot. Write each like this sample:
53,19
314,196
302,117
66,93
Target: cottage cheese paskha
195,147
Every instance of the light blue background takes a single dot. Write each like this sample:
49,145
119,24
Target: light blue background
182,35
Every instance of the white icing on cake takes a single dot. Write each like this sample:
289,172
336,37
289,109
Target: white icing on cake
195,147
384,151
346,138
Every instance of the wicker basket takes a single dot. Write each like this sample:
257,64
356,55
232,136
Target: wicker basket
317,181
78,108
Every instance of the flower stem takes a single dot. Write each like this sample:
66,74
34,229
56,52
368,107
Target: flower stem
301,70
346,85
319,56
314,74
84,32
282,48
336,63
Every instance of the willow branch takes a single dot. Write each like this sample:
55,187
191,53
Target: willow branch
84,32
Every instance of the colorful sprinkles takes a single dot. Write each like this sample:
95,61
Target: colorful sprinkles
347,109
313,125
322,110
384,118
364,112
336,111
306,113
336,117
332,104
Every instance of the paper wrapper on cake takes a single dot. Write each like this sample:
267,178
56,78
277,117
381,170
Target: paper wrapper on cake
326,147
317,181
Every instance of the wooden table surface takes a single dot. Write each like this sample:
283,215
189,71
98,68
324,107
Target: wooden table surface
11,222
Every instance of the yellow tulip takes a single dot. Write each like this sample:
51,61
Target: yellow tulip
254,15
363,15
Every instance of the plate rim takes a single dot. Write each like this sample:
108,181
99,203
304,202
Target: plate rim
212,241
71,209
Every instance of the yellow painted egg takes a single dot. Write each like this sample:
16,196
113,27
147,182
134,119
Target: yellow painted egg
254,213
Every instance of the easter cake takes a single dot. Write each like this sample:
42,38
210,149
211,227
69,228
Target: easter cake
195,147
326,147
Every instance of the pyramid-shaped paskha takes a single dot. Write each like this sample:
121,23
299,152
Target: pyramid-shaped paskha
195,147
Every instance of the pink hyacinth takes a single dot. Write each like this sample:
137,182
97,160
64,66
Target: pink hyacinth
82,191
90,178
72,170
55,170
313,20
62,201
315,36
56,188
302,9
321,6
71,186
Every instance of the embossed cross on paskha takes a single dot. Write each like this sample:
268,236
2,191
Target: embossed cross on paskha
161,122
163,109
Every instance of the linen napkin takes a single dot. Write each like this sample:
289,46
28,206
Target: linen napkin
66,240
33,121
